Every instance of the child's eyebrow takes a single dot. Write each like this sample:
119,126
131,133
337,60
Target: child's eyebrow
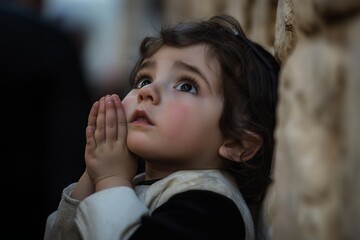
148,64
184,66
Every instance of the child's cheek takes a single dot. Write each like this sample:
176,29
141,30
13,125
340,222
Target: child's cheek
176,122
126,103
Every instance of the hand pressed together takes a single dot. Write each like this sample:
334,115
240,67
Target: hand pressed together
109,163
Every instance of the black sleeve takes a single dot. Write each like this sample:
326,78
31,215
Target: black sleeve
194,214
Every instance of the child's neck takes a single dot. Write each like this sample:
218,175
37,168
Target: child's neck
156,172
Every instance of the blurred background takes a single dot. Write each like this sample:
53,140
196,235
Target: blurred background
110,31
58,56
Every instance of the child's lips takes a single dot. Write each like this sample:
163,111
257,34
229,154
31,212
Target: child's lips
140,117
141,121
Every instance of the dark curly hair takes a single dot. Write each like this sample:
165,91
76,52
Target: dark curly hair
249,88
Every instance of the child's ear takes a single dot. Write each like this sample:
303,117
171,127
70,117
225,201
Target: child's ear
241,151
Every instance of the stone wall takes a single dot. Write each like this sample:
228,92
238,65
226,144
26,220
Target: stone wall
316,192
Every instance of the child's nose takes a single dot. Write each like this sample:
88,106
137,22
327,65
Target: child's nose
148,93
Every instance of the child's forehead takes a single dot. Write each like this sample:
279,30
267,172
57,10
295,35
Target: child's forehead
190,51
197,55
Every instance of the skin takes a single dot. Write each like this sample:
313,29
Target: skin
184,129
170,119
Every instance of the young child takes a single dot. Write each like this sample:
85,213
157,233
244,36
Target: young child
201,115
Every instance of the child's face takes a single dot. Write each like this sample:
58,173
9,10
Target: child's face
174,108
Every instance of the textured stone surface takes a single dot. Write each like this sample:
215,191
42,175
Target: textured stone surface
285,36
318,133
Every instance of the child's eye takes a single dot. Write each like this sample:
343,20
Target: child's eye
188,86
141,82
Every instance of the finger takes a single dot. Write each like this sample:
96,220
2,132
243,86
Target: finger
121,118
93,114
110,119
100,122
90,140
92,124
